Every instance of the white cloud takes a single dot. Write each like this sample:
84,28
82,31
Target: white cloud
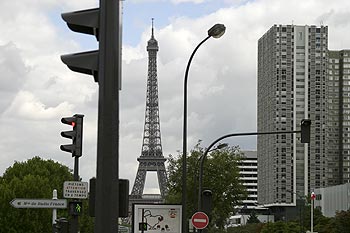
193,1
37,89
27,106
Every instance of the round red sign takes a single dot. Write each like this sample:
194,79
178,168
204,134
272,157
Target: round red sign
200,220
313,195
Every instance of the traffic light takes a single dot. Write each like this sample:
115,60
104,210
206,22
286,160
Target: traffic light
92,197
305,130
123,198
76,134
207,201
87,22
142,226
75,208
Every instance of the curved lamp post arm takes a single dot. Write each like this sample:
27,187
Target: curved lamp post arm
201,171
216,141
184,144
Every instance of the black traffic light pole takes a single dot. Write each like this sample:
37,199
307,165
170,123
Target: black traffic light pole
74,223
76,149
104,65
107,177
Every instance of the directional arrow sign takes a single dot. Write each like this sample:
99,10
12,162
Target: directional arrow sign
39,203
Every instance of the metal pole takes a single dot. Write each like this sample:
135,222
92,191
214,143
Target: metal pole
201,177
312,215
74,224
303,216
107,174
300,219
54,211
184,144
142,221
76,168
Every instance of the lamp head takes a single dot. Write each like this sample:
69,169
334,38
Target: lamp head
217,30
222,145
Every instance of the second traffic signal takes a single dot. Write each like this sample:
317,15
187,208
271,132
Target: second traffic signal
305,130
75,208
76,135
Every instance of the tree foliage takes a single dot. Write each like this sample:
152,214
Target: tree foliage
281,227
338,224
35,178
342,221
220,175
249,228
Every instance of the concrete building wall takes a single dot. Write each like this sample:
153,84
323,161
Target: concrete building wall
332,199
339,117
248,172
292,64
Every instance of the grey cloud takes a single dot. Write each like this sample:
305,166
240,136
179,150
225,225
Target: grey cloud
13,74
223,73
12,68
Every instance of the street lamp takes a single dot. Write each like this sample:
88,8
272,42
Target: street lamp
216,31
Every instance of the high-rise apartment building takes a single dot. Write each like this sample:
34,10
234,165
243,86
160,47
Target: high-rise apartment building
248,174
339,117
292,71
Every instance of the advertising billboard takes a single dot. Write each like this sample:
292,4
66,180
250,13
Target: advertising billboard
154,218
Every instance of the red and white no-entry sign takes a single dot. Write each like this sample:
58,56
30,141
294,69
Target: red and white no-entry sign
200,220
313,195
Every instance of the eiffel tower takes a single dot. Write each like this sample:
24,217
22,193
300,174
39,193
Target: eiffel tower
151,158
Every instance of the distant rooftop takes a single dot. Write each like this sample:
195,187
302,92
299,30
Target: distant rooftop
250,153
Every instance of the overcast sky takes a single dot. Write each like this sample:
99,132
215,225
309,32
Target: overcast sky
37,89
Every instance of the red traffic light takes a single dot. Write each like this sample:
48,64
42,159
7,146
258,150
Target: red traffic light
76,134
69,120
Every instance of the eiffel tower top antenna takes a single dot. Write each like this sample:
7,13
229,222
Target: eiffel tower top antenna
152,28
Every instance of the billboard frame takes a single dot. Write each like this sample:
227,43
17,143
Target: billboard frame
159,211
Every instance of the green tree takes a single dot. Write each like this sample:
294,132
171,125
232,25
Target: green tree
248,228
320,222
281,227
342,221
34,178
220,175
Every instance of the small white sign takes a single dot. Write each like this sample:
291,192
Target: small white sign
75,189
39,203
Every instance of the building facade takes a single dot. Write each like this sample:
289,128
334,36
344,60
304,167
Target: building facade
292,72
248,174
339,117
331,200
